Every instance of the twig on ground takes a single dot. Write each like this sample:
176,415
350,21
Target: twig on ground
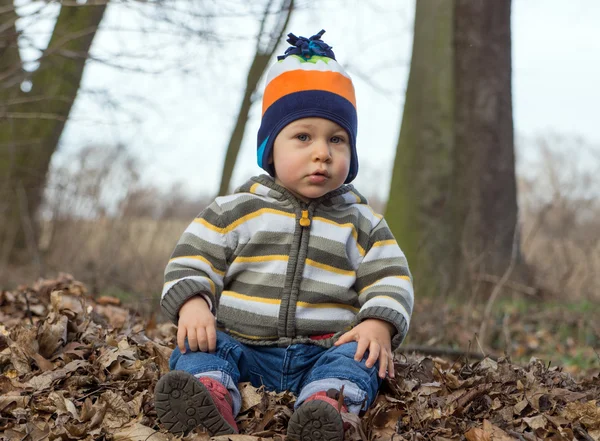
429,350
515,286
479,344
469,396
506,333
516,435
29,315
498,288
582,432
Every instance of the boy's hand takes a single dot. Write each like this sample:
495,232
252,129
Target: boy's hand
376,336
197,323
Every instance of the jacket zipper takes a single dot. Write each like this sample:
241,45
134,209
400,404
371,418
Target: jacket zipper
304,220
304,223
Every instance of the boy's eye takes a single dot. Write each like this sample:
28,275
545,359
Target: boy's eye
302,137
337,139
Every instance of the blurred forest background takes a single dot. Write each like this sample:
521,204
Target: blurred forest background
120,120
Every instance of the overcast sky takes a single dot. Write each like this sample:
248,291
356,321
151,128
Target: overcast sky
184,120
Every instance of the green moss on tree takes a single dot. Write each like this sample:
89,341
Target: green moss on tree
416,210
31,123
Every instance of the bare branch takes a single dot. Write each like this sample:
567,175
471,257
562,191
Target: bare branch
58,48
500,285
442,352
515,286
263,21
123,67
286,9
10,59
386,92
255,73
34,99
33,115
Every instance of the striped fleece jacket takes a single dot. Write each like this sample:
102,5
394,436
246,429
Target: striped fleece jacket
278,271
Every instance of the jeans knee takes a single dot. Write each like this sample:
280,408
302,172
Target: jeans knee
348,351
225,346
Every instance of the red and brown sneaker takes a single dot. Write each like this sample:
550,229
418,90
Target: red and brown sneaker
184,402
318,418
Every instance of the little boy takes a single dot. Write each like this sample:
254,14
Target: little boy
306,285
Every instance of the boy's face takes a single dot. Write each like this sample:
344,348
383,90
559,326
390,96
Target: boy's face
311,157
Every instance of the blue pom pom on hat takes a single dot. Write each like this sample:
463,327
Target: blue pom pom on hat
305,82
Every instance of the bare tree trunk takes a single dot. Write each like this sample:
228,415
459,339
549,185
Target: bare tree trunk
11,73
257,69
453,201
484,182
31,123
417,206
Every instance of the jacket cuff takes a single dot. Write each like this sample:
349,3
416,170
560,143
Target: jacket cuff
388,315
179,293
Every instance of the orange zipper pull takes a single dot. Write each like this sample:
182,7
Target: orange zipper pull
304,220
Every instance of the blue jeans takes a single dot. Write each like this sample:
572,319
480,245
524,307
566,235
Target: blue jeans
300,369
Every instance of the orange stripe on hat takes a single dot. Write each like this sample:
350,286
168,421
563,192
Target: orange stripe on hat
301,80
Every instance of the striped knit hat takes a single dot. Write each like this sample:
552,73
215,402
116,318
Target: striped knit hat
306,82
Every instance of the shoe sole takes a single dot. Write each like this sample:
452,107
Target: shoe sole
316,420
183,403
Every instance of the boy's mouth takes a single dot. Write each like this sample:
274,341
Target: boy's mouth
319,177
323,173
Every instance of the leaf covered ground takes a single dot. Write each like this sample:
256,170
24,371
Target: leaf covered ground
77,368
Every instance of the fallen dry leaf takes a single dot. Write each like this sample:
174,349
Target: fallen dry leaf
476,434
536,422
52,334
12,398
138,432
72,368
587,413
497,434
250,396
239,438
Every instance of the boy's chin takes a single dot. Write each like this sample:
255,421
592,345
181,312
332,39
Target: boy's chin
313,194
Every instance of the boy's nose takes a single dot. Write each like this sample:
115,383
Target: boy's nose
321,151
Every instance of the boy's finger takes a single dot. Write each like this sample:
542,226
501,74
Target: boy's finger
374,354
211,335
181,331
192,339
383,363
391,372
202,340
361,348
345,338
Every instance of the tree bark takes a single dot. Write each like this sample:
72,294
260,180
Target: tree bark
453,200
11,73
31,123
417,206
484,182
256,71
10,60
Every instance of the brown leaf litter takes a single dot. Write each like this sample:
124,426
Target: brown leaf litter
77,368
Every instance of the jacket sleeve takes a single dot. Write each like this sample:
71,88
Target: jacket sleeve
198,263
384,283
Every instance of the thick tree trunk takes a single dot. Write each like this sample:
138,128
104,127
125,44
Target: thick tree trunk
10,79
453,201
484,183
417,207
31,123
